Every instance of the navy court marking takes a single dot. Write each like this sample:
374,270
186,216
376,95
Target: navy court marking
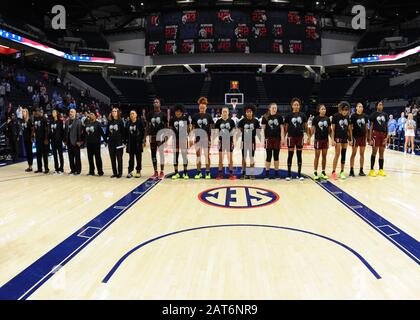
124,257
403,241
30,279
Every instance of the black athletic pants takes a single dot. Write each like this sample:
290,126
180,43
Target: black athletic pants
74,158
57,151
94,151
41,154
116,156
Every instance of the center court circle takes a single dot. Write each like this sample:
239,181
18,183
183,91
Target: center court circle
238,197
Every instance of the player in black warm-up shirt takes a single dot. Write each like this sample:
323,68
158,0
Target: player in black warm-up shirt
225,125
12,133
41,141
358,127
295,128
273,125
249,126
378,138
321,127
203,121
115,140
181,128
93,134
56,136
134,135
340,135
28,137
156,120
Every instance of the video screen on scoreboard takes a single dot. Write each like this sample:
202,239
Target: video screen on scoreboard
232,30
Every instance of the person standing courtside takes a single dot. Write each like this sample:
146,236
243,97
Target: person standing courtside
294,128
249,126
134,133
205,122
92,137
273,126
181,128
115,139
56,136
156,120
12,132
28,137
378,138
73,140
41,141
358,127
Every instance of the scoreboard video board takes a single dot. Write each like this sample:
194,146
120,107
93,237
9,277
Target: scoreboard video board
232,30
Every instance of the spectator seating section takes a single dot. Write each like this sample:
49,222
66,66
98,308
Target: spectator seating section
283,87
133,90
371,88
95,80
335,89
183,87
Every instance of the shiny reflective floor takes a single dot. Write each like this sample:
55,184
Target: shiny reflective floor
82,237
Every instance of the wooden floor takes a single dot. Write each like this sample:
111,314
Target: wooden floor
308,244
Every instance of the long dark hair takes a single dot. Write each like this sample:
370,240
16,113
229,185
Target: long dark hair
267,114
110,118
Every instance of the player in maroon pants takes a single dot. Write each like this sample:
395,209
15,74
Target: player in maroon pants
358,127
225,125
295,127
273,126
321,127
340,135
378,138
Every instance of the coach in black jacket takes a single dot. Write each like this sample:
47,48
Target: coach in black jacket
134,139
56,134
73,140
41,141
93,134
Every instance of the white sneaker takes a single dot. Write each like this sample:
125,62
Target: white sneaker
301,178
287,178
413,152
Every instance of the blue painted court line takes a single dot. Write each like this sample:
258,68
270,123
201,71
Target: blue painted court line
403,241
30,279
124,257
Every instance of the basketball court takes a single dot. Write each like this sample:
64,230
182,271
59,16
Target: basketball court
66,237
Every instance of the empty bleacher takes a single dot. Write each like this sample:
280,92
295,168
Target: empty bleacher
335,89
184,88
283,87
373,88
133,90
96,80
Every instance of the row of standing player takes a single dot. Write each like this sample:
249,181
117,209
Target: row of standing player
277,131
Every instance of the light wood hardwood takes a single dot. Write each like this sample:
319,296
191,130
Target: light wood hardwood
39,211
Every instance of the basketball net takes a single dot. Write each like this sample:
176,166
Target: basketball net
234,102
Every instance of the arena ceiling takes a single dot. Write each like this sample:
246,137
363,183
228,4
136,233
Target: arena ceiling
93,12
